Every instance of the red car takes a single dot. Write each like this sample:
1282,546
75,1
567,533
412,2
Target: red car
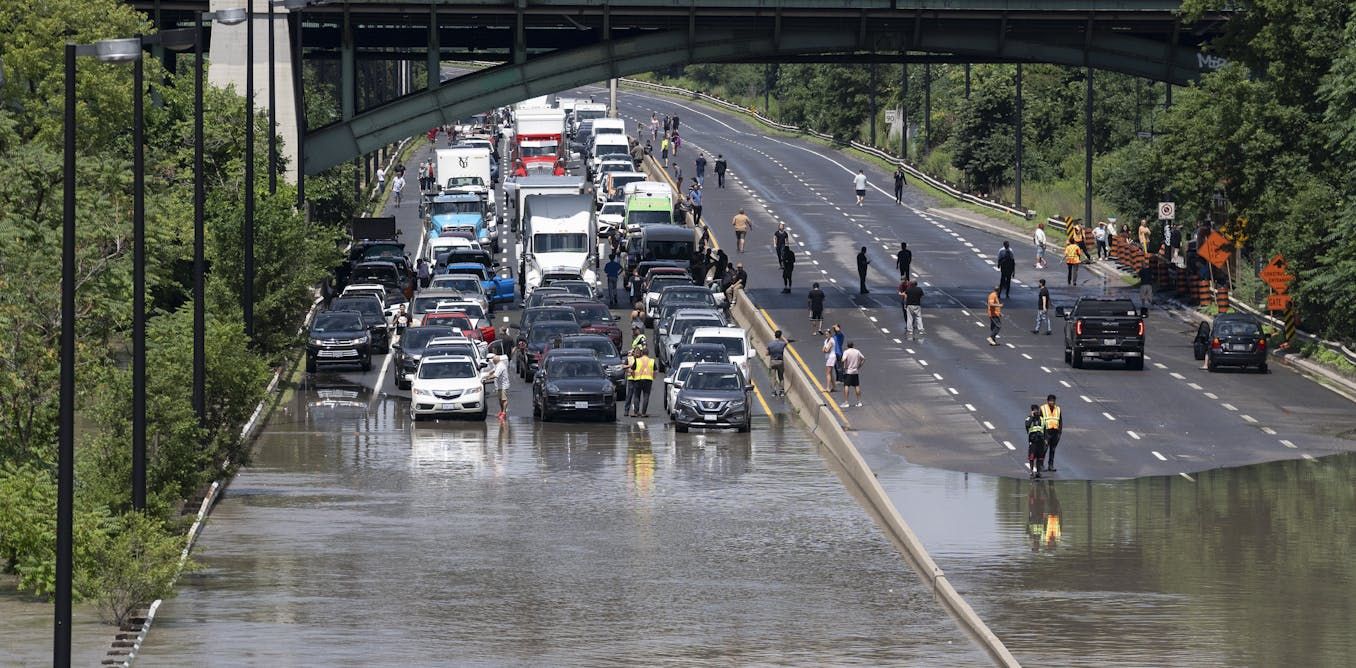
455,320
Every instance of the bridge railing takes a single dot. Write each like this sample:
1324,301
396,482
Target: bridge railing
938,184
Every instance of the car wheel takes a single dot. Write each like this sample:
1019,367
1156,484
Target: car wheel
611,416
1262,368
367,363
1134,363
1068,357
484,411
1210,364
680,428
1077,358
310,364
744,428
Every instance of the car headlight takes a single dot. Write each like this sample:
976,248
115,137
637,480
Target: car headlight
552,387
315,342
615,368
683,401
423,393
362,339
737,403
484,239
473,391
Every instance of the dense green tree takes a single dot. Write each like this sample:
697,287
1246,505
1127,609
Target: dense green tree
983,146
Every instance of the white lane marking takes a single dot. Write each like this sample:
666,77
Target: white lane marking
1011,346
923,362
967,313
1178,376
1065,383
1211,395
1249,418
987,425
1026,356
897,341
1228,407
1047,369
1159,456
1132,434
1287,444
1194,386
1189,478
1085,398
907,350
1160,365
1268,431
884,330
872,318
970,407
938,376
952,390
1108,416
1009,445
1307,456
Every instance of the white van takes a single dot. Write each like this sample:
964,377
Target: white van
605,144
735,340
609,126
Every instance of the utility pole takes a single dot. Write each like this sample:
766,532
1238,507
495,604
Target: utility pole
872,93
1018,167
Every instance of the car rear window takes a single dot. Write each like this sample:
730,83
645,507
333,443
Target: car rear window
1237,328
734,346
441,370
1117,309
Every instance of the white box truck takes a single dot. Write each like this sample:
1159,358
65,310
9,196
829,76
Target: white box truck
465,170
539,139
560,237
524,186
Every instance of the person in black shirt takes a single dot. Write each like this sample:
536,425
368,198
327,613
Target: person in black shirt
720,170
788,262
722,263
899,185
779,241
816,302
913,309
1007,266
862,263
904,260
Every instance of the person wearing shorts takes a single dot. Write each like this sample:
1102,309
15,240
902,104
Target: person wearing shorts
776,357
859,184
741,225
816,302
830,362
852,369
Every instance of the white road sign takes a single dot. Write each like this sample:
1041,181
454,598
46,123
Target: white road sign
1167,210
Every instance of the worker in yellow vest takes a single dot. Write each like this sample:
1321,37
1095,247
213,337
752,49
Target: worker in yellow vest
1054,426
1073,256
642,376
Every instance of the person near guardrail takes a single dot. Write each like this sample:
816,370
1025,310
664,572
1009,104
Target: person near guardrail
1144,233
776,358
721,167
1007,266
862,263
816,303
1042,308
1099,235
904,260
859,183
899,185
1038,237
1073,257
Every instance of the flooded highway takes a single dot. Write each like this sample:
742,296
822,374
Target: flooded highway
358,537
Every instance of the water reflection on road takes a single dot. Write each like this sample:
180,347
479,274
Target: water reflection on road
1248,566
356,538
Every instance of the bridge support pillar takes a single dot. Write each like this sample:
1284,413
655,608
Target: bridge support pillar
1017,181
904,111
227,62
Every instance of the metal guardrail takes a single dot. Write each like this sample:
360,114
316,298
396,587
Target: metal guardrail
914,172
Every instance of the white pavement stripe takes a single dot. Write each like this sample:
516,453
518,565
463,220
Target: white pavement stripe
1108,416
1085,398
970,407
1287,444
1178,376
952,390
1268,431
938,376
1160,365
1026,356
1229,407
1047,369
1211,395
1189,478
987,425
1160,456
1132,434
1009,445
1307,456
1065,383
1249,418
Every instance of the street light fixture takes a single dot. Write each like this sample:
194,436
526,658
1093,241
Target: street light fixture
106,51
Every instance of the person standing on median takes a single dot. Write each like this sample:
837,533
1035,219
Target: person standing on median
852,369
779,241
1042,308
913,308
899,185
1007,266
859,183
904,260
1054,426
995,316
721,166
741,225
776,356
816,303
830,362
862,263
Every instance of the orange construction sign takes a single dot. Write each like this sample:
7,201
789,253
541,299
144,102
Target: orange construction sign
1214,250
1277,275
1278,302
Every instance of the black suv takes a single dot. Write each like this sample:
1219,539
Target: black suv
1105,329
715,395
1233,339
572,381
374,316
410,349
338,337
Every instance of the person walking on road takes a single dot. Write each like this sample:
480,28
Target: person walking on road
499,373
721,166
397,186
642,374
904,260
664,150
1099,235
675,123
830,362
816,303
913,309
422,271
1038,237
1007,266
859,183
694,198
1035,440
788,265
995,316
779,241
741,225
701,169
862,263
1054,426
776,357
612,270
1073,256
899,185
852,369
1042,308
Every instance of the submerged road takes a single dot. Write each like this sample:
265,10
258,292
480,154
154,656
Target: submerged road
950,400
356,536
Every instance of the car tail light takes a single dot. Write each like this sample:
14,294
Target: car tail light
1141,328
1215,344
1261,344
1078,327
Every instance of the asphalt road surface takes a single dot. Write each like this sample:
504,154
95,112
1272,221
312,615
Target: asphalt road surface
950,400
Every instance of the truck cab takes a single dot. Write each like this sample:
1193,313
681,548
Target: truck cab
559,233
1103,329
462,215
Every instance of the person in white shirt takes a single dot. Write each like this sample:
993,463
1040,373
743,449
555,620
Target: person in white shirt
859,182
381,179
499,373
1039,239
396,186
852,369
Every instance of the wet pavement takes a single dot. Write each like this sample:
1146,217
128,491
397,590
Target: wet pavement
356,537
26,635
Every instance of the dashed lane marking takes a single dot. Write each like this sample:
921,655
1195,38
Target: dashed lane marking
1287,444
1160,456
1132,434
1108,416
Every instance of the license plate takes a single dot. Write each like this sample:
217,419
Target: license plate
447,407
1239,347
709,418
335,353
581,404
1108,342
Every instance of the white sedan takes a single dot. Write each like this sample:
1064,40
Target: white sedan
447,385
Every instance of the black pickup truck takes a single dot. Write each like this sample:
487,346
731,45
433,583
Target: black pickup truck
1103,329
